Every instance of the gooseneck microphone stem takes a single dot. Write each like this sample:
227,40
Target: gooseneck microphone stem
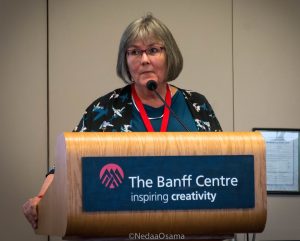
152,85
173,113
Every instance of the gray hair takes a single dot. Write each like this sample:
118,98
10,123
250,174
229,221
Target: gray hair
144,28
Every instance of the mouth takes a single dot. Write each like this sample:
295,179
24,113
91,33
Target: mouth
147,72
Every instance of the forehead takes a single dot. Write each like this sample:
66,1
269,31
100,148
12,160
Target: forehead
145,41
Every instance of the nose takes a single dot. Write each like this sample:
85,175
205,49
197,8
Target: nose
145,59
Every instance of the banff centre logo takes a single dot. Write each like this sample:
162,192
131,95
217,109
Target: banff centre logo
111,175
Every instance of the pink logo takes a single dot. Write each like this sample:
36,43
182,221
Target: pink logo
111,175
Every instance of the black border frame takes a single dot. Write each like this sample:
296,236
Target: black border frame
283,129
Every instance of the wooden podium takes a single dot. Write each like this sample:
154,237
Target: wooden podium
60,211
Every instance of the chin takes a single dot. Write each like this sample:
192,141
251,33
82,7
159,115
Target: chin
144,81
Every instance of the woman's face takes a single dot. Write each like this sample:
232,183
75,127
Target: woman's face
147,61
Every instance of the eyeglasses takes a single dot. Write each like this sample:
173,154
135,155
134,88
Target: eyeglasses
152,51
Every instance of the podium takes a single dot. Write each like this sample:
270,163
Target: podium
61,211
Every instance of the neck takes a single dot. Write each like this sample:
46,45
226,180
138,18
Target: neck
149,97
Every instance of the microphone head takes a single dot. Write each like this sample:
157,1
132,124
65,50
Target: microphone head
151,85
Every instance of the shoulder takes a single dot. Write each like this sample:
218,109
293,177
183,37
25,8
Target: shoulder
197,101
192,96
201,110
107,111
115,96
105,106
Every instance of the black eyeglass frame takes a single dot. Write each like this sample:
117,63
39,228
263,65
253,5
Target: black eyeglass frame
146,51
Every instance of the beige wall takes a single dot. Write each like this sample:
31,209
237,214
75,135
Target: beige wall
23,111
266,87
242,55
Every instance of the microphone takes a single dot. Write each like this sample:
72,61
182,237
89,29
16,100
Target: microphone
152,85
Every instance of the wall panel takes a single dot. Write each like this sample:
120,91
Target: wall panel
23,105
266,80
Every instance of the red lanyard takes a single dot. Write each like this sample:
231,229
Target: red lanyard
144,115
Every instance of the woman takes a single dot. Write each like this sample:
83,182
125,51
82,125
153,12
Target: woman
147,52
